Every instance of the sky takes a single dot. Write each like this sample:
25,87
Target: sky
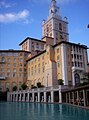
23,18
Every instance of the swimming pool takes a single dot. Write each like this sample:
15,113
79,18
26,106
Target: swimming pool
39,111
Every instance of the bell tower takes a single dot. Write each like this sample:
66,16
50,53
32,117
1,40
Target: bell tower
55,26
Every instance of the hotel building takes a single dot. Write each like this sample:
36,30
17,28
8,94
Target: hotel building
47,60
13,69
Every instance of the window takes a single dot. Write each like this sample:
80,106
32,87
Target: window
60,26
10,54
3,59
3,54
8,70
57,50
8,75
38,59
72,63
32,70
20,64
8,64
58,64
20,59
20,75
14,59
14,64
75,64
15,54
9,60
43,67
42,57
2,65
75,56
38,68
2,69
21,54
35,69
14,75
58,57
24,69
20,69
14,70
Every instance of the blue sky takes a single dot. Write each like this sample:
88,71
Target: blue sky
22,18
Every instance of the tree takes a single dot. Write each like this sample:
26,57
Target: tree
32,87
14,88
60,82
38,84
24,86
85,79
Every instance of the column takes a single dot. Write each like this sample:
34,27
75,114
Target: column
13,97
32,97
17,97
8,96
78,97
84,97
66,98
44,96
60,96
20,97
73,97
52,96
27,96
23,99
38,97
69,97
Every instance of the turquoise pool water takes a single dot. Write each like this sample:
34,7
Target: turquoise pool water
39,111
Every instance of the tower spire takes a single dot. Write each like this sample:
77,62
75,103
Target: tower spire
54,9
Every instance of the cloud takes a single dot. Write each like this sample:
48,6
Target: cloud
3,4
14,17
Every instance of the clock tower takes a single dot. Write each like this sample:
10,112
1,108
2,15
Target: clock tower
55,26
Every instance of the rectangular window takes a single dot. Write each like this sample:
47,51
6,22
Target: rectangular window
38,68
43,67
20,59
8,64
9,60
20,75
14,59
20,69
58,57
8,70
57,50
14,64
10,54
58,64
35,69
15,54
32,70
8,75
3,54
14,75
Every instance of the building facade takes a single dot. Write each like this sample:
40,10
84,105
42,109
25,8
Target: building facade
13,69
66,61
49,60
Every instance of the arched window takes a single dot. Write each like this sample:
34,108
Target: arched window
77,79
